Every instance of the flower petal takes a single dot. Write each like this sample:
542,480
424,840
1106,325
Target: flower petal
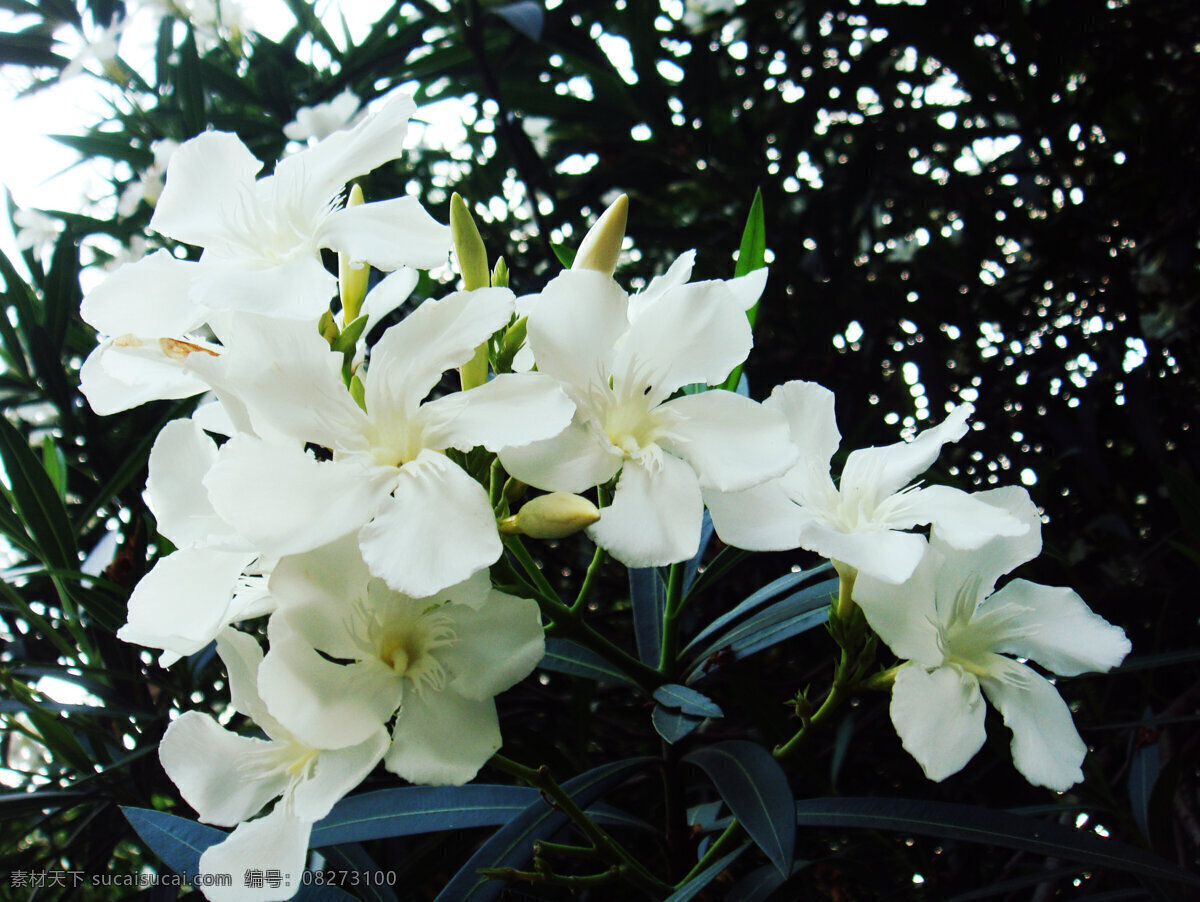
324,704
197,754
574,460
336,773
285,501
180,459
676,275
442,738
149,297
439,335
117,376
1059,631
511,409
731,442
1001,555
762,518
498,646
387,234
573,325
695,333
655,515
298,288
436,530
388,294
962,520
318,588
904,614
1046,747
207,178
184,601
242,656
882,553
275,843
879,472
939,717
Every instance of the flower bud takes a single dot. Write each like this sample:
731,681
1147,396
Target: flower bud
352,280
552,516
602,244
468,246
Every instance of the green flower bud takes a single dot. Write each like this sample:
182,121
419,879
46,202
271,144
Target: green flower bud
352,280
552,516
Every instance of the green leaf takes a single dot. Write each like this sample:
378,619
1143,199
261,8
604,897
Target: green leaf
566,255
29,48
409,810
114,146
55,463
689,890
752,254
689,701
755,787
672,724
36,501
969,823
189,87
512,844
648,596
349,336
566,656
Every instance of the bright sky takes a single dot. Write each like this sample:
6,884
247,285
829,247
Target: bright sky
40,172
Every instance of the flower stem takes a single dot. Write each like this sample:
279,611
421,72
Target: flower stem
570,622
722,843
607,846
670,626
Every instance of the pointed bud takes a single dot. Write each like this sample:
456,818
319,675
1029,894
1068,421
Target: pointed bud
602,244
468,246
352,280
552,516
500,274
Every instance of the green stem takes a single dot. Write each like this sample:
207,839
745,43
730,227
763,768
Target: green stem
513,875
719,847
570,623
589,579
670,626
607,846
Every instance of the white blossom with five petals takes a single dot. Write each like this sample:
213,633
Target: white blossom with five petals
964,641
860,523
230,778
436,663
621,373
423,523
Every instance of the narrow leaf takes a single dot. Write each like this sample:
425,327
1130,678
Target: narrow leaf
178,841
752,255
512,844
409,810
771,590
705,877
649,598
566,656
793,615
756,789
689,701
36,500
566,255
947,820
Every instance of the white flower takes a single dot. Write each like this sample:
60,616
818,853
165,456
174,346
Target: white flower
229,778
436,661
861,521
262,238
148,185
422,521
214,578
620,372
323,119
36,231
957,635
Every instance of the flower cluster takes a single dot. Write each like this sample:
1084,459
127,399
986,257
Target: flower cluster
357,503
